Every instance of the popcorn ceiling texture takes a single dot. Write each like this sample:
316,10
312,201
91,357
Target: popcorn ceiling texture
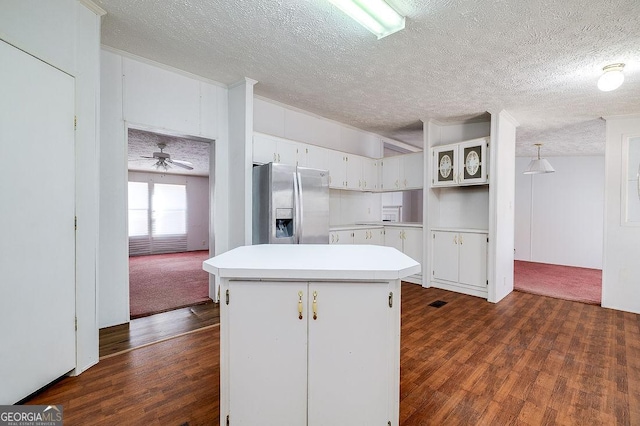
144,144
456,59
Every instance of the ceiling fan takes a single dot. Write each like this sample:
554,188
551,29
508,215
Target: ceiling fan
164,161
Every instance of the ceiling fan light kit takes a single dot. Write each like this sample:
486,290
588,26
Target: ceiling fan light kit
538,165
375,15
164,160
611,78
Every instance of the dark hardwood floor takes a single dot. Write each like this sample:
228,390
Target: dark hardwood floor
152,329
527,360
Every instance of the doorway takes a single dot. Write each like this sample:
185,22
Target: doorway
168,221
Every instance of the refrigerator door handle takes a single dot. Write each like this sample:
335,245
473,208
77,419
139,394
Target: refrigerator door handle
299,200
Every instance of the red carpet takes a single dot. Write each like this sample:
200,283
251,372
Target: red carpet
562,282
163,282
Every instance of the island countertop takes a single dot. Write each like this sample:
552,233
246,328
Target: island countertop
312,262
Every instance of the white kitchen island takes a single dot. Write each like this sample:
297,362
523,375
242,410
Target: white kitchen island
310,334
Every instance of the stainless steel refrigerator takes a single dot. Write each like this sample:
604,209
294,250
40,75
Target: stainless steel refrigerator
290,205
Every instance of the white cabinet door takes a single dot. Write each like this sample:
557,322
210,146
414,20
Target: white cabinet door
472,167
37,247
377,237
412,243
361,236
412,170
337,170
354,171
390,173
393,238
264,150
287,152
473,259
341,237
267,353
445,165
445,256
313,156
370,174
350,379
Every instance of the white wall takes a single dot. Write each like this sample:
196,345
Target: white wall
133,91
197,189
502,153
620,268
276,119
559,216
66,34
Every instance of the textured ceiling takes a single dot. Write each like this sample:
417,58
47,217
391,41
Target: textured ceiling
144,144
456,59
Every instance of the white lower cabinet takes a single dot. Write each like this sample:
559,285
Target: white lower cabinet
459,260
341,237
409,241
310,353
368,236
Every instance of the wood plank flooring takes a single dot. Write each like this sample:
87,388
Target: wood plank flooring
529,360
155,328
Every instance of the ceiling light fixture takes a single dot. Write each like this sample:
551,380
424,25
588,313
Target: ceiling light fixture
375,15
611,78
538,165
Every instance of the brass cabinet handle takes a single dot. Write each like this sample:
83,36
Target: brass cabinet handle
315,305
461,241
299,305
455,239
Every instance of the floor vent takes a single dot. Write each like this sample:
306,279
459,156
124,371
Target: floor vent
438,303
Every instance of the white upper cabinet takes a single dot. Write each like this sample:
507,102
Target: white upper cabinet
370,174
313,156
267,150
337,170
412,170
354,164
402,172
390,173
463,163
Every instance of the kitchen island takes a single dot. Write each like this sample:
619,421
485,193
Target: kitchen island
310,334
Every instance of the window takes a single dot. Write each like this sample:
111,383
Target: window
157,218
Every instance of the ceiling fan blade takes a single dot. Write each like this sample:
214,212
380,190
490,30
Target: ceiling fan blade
184,164
142,156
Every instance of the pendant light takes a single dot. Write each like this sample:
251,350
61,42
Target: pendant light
538,165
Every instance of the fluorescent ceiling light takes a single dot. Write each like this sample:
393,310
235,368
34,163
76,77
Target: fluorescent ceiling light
375,15
611,78
538,165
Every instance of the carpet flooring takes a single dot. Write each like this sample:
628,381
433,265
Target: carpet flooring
558,281
163,282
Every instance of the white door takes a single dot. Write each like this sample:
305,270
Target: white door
37,247
370,174
350,356
287,153
267,354
445,256
473,259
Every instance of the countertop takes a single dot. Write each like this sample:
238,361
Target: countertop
322,262
374,225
